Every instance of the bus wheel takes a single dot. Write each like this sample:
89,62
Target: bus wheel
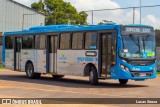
30,72
57,76
93,77
123,81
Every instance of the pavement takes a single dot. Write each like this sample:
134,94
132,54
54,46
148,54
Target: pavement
16,85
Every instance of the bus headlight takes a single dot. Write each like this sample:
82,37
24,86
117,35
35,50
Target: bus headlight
124,68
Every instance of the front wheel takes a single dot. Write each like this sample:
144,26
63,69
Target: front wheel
93,76
30,72
123,81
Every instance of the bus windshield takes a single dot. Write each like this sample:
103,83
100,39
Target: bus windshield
138,46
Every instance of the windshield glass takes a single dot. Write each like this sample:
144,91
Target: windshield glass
138,46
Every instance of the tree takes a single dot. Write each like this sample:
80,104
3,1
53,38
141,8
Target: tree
106,22
38,6
60,12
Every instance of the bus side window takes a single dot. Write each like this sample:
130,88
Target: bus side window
77,40
65,41
40,42
28,42
0,40
91,40
9,42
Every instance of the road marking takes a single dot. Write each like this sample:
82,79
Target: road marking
62,91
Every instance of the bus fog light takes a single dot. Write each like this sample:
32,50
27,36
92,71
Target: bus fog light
126,69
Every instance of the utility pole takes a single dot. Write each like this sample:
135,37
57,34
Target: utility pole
133,14
92,17
140,10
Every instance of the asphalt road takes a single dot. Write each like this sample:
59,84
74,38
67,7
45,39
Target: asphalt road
16,85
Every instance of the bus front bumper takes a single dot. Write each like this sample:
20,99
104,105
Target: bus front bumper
137,76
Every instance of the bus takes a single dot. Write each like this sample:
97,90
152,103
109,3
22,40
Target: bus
109,51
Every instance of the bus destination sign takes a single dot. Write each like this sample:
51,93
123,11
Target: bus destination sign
128,29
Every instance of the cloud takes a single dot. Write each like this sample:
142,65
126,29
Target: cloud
152,20
82,5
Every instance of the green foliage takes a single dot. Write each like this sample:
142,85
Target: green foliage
1,67
106,22
38,6
60,12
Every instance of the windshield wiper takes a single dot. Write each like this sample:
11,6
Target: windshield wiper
132,37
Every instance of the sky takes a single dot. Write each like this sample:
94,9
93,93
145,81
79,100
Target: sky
149,16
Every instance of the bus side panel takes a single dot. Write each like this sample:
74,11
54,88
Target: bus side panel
81,59
27,55
40,61
63,63
9,59
73,62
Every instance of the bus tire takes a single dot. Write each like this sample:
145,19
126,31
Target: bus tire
123,81
30,72
57,76
93,76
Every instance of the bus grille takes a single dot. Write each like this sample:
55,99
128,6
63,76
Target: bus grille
141,63
137,74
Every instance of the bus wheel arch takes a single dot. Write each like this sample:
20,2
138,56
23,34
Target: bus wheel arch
29,69
87,69
91,71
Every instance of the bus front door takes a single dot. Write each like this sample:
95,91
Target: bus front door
17,51
52,53
108,51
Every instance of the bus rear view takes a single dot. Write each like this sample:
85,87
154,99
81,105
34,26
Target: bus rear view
136,54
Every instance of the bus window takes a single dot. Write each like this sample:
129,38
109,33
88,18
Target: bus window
91,40
27,42
9,42
0,40
77,39
65,41
40,42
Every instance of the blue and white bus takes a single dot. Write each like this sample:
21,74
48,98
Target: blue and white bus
109,51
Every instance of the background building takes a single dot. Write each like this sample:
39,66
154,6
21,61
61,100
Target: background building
15,16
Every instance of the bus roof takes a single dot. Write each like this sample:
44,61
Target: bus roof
65,28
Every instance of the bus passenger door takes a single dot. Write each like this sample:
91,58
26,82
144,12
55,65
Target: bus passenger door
17,64
108,43
52,53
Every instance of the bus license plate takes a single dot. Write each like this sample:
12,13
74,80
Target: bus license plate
142,74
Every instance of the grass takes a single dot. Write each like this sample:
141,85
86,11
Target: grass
158,72
1,67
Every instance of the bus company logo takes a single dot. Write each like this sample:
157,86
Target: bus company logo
63,56
6,101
